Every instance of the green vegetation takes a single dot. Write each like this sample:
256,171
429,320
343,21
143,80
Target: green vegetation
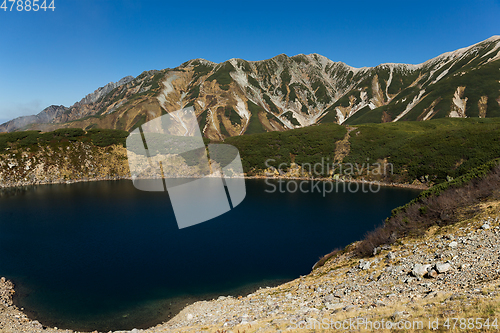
107,137
431,151
271,105
303,145
285,81
223,130
289,115
254,126
254,82
202,69
222,76
233,116
434,149
322,94
31,139
478,79
364,116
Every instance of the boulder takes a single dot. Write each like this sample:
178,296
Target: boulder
391,256
364,264
442,268
420,270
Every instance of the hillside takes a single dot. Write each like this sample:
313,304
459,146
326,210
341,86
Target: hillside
244,97
418,153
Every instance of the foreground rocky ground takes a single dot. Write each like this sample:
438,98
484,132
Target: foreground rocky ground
416,283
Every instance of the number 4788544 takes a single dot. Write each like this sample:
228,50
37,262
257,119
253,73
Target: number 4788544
27,5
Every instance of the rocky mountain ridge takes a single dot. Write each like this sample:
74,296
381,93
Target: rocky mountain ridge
242,97
60,113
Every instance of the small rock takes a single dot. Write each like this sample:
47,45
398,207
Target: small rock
328,298
485,226
189,316
453,245
432,273
364,264
391,256
334,306
442,268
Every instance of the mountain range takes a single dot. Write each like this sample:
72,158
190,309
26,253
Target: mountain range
238,97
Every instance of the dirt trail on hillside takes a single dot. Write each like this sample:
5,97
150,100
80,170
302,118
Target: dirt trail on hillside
343,147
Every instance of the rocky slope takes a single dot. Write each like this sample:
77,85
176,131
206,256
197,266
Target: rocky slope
240,97
449,272
76,161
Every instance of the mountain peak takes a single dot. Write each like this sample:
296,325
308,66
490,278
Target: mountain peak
238,97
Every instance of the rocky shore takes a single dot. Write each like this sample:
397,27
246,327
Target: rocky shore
451,271
347,180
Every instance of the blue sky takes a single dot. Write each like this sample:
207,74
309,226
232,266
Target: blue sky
57,57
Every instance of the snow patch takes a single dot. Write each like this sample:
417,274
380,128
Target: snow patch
440,76
459,103
410,105
428,114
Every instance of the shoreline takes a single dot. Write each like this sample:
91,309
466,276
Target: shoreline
360,181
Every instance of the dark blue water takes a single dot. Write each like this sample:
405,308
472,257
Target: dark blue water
106,256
